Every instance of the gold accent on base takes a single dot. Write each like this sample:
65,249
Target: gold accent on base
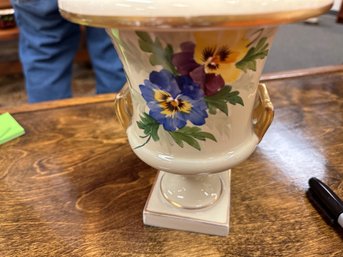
263,112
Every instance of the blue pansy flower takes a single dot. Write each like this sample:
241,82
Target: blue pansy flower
174,100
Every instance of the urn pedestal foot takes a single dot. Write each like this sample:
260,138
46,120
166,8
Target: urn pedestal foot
213,220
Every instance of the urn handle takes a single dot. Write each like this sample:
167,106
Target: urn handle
123,107
263,112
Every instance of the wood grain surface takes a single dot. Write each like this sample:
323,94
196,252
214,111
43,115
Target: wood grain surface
72,186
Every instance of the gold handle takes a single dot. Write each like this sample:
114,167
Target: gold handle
263,112
123,107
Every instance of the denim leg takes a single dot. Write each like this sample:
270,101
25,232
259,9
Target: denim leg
47,46
108,69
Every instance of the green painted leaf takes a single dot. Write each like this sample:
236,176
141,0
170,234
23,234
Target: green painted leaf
260,51
146,47
179,138
191,135
220,105
150,128
219,100
212,109
236,99
144,36
169,51
176,139
205,135
159,55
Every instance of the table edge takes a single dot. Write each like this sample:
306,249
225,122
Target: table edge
301,72
102,98
56,104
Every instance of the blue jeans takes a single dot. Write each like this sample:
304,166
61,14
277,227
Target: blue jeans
47,46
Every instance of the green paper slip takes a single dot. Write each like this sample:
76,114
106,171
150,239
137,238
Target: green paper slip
9,128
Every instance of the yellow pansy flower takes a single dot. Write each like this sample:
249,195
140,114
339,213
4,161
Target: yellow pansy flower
219,51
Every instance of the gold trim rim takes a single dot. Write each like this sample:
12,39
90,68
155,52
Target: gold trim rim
195,22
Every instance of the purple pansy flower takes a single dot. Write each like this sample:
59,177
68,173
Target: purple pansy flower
174,100
184,61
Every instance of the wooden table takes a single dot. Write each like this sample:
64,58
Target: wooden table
72,186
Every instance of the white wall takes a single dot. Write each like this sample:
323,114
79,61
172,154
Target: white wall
336,5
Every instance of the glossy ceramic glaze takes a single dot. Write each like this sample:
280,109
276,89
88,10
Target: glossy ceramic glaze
193,95
193,71
203,190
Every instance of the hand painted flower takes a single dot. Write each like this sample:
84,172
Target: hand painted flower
210,61
185,64
174,100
